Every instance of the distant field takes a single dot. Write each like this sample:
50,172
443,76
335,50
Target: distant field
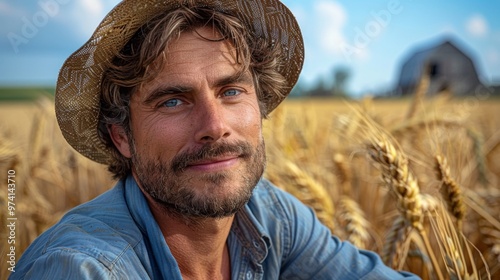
16,114
24,93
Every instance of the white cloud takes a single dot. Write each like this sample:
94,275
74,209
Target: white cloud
94,7
330,19
87,14
83,16
330,22
477,26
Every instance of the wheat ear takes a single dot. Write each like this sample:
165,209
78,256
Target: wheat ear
404,186
343,173
399,179
353,221
309,191
450,190
456,253
396,242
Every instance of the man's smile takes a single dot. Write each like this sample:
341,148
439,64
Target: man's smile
214,164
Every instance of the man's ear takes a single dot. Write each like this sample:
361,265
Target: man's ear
120,139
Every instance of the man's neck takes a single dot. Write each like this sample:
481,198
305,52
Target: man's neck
199,246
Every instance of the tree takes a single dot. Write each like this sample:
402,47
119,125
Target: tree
340,77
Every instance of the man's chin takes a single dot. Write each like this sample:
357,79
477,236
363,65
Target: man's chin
206,199
218,188
203,206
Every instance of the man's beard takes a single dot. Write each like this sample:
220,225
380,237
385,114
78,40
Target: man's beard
175,191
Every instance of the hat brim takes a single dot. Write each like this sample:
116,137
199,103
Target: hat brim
77,97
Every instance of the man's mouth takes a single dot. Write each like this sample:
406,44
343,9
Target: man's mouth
214,164
212,158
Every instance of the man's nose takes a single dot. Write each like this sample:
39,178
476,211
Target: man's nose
212,122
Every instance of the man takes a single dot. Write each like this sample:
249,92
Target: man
171,96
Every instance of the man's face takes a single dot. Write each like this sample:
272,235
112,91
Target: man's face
196,145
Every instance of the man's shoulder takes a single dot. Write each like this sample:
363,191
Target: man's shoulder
101,229
106,217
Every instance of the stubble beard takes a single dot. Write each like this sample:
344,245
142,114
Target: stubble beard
176,192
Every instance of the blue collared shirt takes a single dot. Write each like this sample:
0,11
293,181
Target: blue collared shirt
115,236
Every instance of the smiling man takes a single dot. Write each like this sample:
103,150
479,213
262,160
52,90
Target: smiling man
204,105
171,96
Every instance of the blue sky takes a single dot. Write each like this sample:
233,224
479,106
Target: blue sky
370,38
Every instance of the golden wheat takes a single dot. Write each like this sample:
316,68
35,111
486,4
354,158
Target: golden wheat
401,182
343,173
353,222
419,94
397,242
455,250
309,191
320,156
450,190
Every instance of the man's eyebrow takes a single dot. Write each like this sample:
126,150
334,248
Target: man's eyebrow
163,91
236,78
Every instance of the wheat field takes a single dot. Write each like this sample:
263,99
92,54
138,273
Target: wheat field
415,180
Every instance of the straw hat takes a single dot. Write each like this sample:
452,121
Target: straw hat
77,99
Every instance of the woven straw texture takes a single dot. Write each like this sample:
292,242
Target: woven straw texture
78,86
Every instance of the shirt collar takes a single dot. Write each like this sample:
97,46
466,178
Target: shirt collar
250,233
159,254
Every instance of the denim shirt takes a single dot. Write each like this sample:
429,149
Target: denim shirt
115,236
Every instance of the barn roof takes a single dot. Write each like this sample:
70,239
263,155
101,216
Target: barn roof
424,55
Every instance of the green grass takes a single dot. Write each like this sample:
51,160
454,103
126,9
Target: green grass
24,93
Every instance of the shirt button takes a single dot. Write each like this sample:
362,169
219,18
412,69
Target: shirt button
256,244
249,275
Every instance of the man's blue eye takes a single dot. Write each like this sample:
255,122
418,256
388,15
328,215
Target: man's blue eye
232,92
172,103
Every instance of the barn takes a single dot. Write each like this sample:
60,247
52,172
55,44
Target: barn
447,66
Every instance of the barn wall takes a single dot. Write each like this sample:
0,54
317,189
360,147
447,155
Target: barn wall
449,69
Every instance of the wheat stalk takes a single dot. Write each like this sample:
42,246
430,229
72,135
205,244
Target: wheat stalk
429,203
422,88
353,221
478,143
491,238
343,173
415,125
396,242
450,190
454,248
399,179
404,186
309,191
